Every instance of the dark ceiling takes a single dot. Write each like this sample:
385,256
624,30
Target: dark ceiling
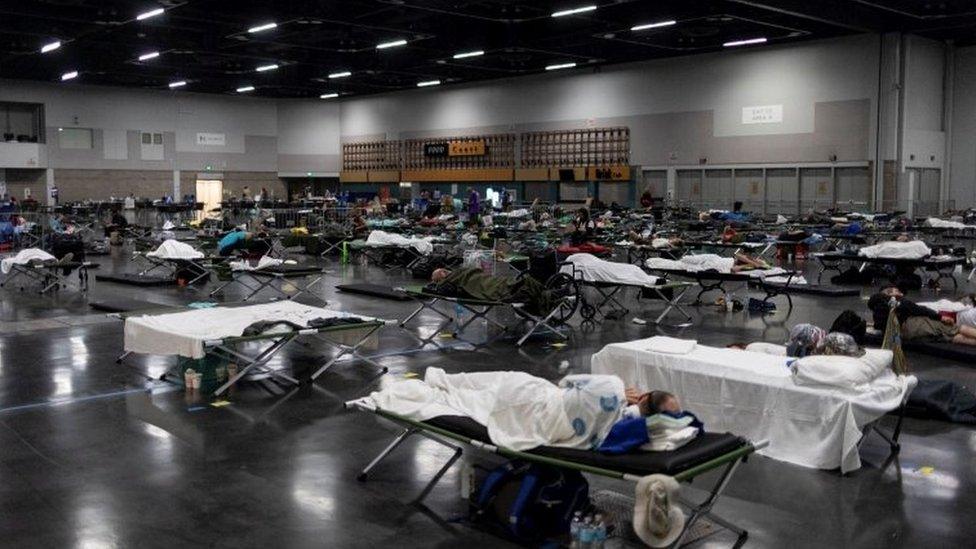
207,44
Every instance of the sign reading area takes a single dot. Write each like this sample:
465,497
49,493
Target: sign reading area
764,114
212,139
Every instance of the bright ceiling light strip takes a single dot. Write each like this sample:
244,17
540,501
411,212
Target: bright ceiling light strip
427,83
51,47
468,54
265,68
151,13
178,84
342,74
148,56
744,42
328,96
392,44
264,27
657,25
245,89
573,11
69,75
560,66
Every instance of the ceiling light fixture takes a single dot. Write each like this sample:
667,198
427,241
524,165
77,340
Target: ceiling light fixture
427,83
657,25
573,11
148,14
744,42
178,84
265,68
51,47
560,66
263,27
245,89
148,56
69,75
468,54
392,44
342,74
328,96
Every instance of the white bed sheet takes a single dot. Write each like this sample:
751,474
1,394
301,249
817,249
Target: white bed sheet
186,333
705,262
915,249
24,257
383,238
594,269
753,395
174,249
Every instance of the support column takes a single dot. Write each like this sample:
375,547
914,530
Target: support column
3,181
49,187
177,195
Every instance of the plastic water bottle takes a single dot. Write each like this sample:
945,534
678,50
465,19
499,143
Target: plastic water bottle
586,533
599,533
458,317
574,530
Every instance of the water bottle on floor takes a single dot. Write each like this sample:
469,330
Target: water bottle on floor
574,530
599,537
586,533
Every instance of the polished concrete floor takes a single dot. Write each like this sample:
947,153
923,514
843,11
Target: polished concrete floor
97,454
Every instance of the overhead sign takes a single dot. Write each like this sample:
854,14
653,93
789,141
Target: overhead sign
435,150
212,139
764,114
609,173
468,148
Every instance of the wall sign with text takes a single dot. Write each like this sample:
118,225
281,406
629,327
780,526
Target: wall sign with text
763,114
212,139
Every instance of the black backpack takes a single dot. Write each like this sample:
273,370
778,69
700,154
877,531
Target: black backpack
852,324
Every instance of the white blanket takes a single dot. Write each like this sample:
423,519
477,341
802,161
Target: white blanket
186,333
519,410
915,249
754,395
263,263
705,262
24,257
383,238
937,223
174,249
670,345
594,269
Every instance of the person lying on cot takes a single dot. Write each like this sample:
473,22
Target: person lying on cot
244,241
474,283
918,323
745,262
806,340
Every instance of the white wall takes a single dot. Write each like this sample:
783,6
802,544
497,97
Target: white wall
962,185
799,77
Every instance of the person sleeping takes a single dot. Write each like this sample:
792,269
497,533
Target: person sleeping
918,323
521,411
474,283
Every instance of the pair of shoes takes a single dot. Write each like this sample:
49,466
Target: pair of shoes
760,306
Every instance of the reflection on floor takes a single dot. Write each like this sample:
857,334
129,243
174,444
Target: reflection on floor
97,454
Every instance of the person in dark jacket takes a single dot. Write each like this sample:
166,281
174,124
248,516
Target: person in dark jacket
917,322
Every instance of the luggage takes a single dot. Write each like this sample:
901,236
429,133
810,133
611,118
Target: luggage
531,502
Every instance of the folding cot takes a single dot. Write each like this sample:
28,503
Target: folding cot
563,308
219,332
49,275
943,267
380,254
608,279
757,395
273,276
708,452
199,266
714,280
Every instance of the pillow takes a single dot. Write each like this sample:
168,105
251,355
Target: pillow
844,372
766,348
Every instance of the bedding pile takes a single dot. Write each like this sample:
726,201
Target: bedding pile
383,238
174,249
24,257
263,263
915,249
937,223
